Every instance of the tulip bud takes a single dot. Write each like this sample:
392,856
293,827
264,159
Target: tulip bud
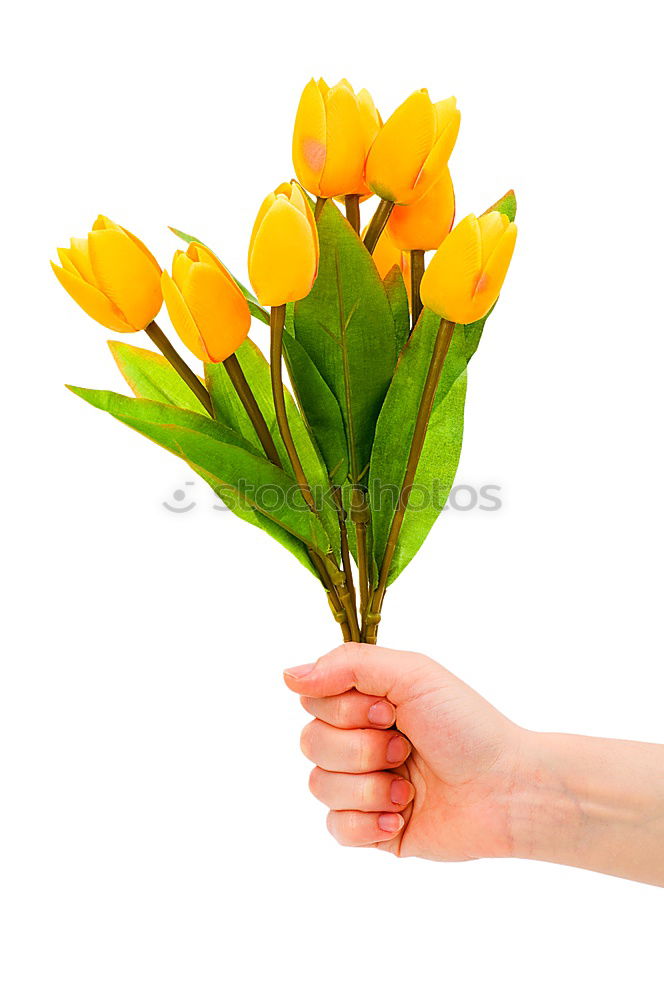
206,307
424,225
283,250
388,255
465,276
412,148
113,277
334,130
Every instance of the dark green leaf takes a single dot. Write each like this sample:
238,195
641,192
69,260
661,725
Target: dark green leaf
398,299
320,409
346,327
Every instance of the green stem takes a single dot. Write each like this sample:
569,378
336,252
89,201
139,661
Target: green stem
345,551
441,347
277,320
360,516
416,274
161,341
353,210
248,400
319,207
338,591
377,224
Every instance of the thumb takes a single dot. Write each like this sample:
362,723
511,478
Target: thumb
388,673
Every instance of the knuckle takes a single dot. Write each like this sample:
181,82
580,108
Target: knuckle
364,751
315,782
307,740
367,792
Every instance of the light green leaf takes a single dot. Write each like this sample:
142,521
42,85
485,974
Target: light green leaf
255,308
249,485
149,375
398,299
346,327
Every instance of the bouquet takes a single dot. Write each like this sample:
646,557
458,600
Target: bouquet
351,470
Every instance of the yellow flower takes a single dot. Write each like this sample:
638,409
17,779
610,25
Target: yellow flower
334,130
424,225
412,148
388,255
206,307
465,276
112,276
283,250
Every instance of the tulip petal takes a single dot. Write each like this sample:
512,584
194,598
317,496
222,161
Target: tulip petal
495,269
309,138
424,225
492,226
219,311
450,280
343,170
395,160
92,301
79,255
142,247
283,258
370,117
437,159
181,318
125,275
386,254
262,212
182,264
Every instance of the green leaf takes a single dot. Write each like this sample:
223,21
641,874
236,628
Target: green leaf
396,423
229,410
255,308
346,327
398,298
506,205
249,485
150,376
320,408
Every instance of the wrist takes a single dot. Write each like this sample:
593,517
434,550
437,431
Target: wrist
590,803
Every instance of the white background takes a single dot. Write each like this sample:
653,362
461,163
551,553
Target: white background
158,839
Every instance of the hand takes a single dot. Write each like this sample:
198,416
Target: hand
439,791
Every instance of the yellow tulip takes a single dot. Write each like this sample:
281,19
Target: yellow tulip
206,307
112,276
334,130
283,250
424,225
465,276
412,148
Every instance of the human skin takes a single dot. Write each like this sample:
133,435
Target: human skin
411,760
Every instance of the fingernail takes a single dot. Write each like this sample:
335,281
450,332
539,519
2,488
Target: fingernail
397,750
400,792
381,714
302,671
390,822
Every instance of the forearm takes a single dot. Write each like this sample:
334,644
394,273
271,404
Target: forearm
591,803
